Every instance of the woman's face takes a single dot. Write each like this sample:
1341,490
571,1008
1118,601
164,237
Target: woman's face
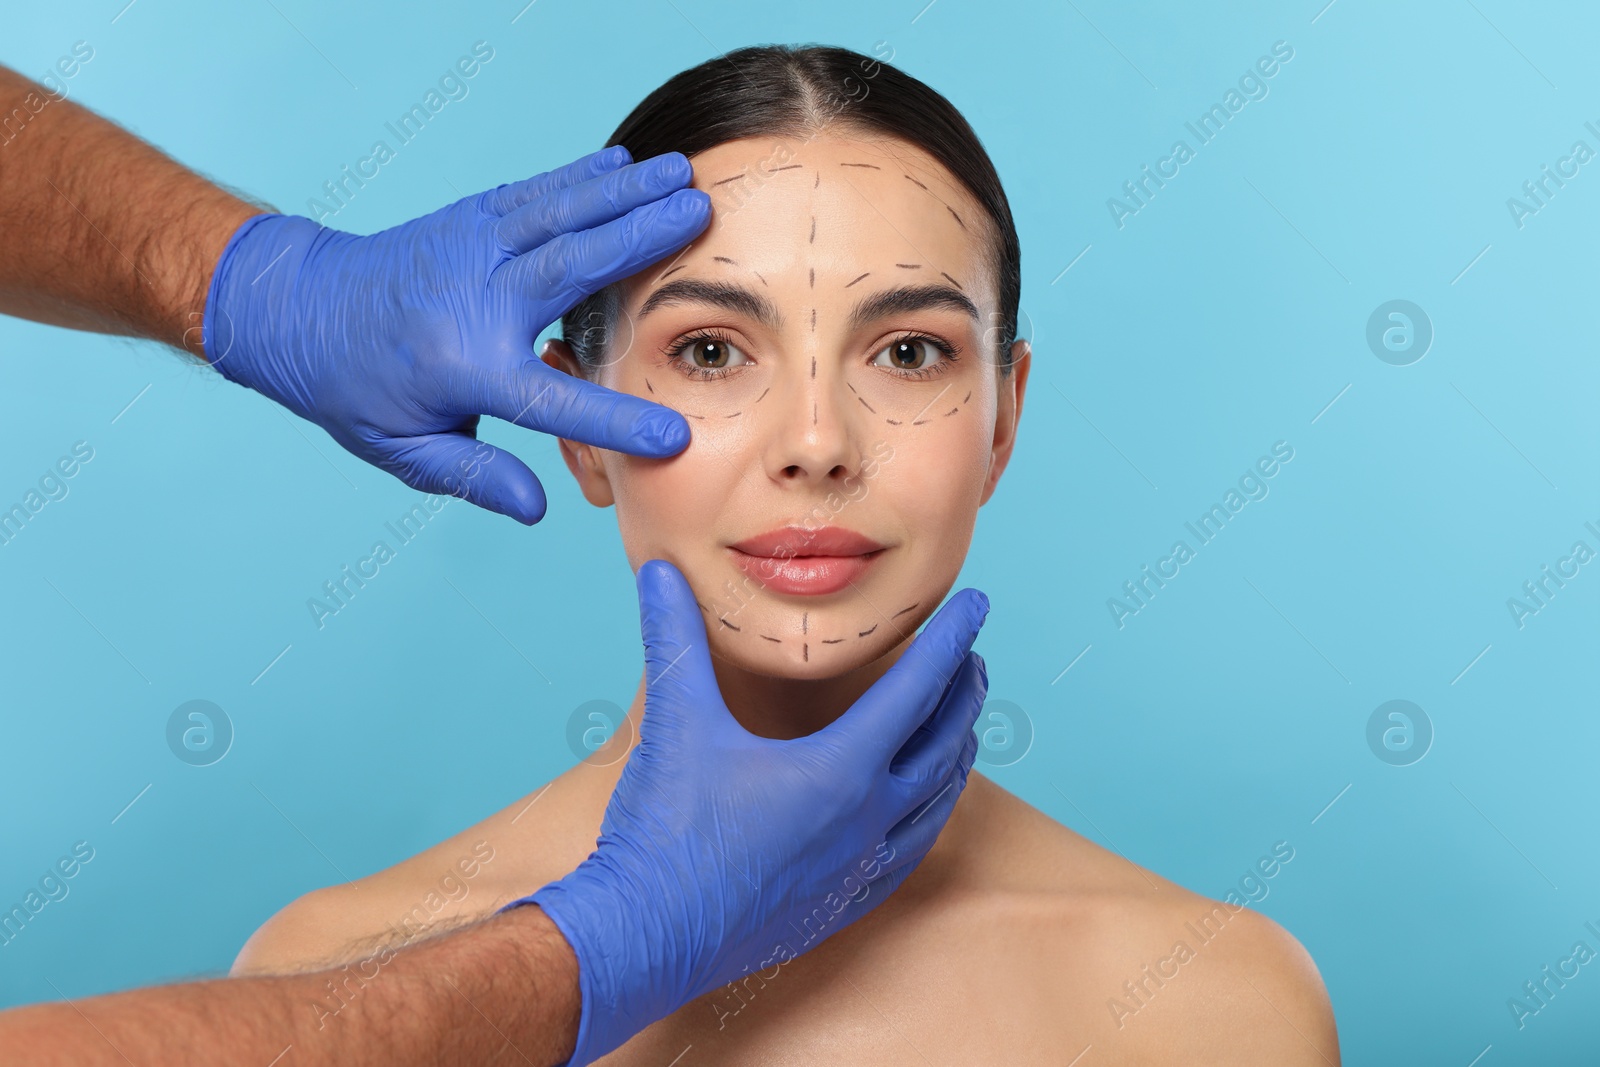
830,338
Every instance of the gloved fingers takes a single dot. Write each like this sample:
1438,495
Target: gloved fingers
591,203
935,748
459,465
574,265
911,838
880,723
515,194
539,397
680,685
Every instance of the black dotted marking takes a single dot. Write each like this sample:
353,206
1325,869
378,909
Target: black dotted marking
673,271
731,416
833,640
791,166
805,617
724,259
918,422
892,422
813,238
813,367
813,318
952,411
694,416
813,277
813,413
764,392
725,181
952,211
648,386
857,280
966,398
864,633
902,611
758,275
728,624
914,181
910,266
774,640
952,281
866,405
805,652
874,166
818,181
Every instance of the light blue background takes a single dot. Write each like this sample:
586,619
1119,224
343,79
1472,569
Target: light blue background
1223,317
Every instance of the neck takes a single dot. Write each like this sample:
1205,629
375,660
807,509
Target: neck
786,708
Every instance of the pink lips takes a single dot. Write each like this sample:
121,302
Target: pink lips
806,561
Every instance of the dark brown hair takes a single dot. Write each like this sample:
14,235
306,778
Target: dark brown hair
797,91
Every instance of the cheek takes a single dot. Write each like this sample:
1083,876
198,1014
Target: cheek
671,508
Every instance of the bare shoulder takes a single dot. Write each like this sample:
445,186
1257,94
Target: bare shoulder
467,877
1149,971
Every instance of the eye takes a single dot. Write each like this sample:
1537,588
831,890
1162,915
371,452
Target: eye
916,356
705,355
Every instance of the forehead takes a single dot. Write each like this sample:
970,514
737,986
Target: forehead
831,205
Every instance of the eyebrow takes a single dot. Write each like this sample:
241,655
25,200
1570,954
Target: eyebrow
748,302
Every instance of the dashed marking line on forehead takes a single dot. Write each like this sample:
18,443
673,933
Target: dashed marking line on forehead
953,215
673,271
874,166
910,266
725,259
813,277
813,238
952,281
856,279
914,181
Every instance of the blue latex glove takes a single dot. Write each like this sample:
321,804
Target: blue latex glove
397,342
722,852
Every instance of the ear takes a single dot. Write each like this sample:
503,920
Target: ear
1008,413
582,460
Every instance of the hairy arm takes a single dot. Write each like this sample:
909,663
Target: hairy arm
102,231
502,990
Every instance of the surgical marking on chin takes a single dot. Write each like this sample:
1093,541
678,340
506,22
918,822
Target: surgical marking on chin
723,619
864,633
805,617
849,284
902,611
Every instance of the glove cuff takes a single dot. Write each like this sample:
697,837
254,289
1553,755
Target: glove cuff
254,271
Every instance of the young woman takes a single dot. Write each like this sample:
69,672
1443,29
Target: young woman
842,339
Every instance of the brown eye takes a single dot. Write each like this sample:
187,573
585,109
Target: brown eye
910,354
707,355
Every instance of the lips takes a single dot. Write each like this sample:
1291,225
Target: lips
806,561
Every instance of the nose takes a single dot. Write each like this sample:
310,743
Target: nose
815,441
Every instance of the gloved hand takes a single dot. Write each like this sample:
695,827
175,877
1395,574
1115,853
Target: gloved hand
722,852
396,343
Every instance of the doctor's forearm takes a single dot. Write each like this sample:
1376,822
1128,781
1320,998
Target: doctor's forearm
502,991
102,231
